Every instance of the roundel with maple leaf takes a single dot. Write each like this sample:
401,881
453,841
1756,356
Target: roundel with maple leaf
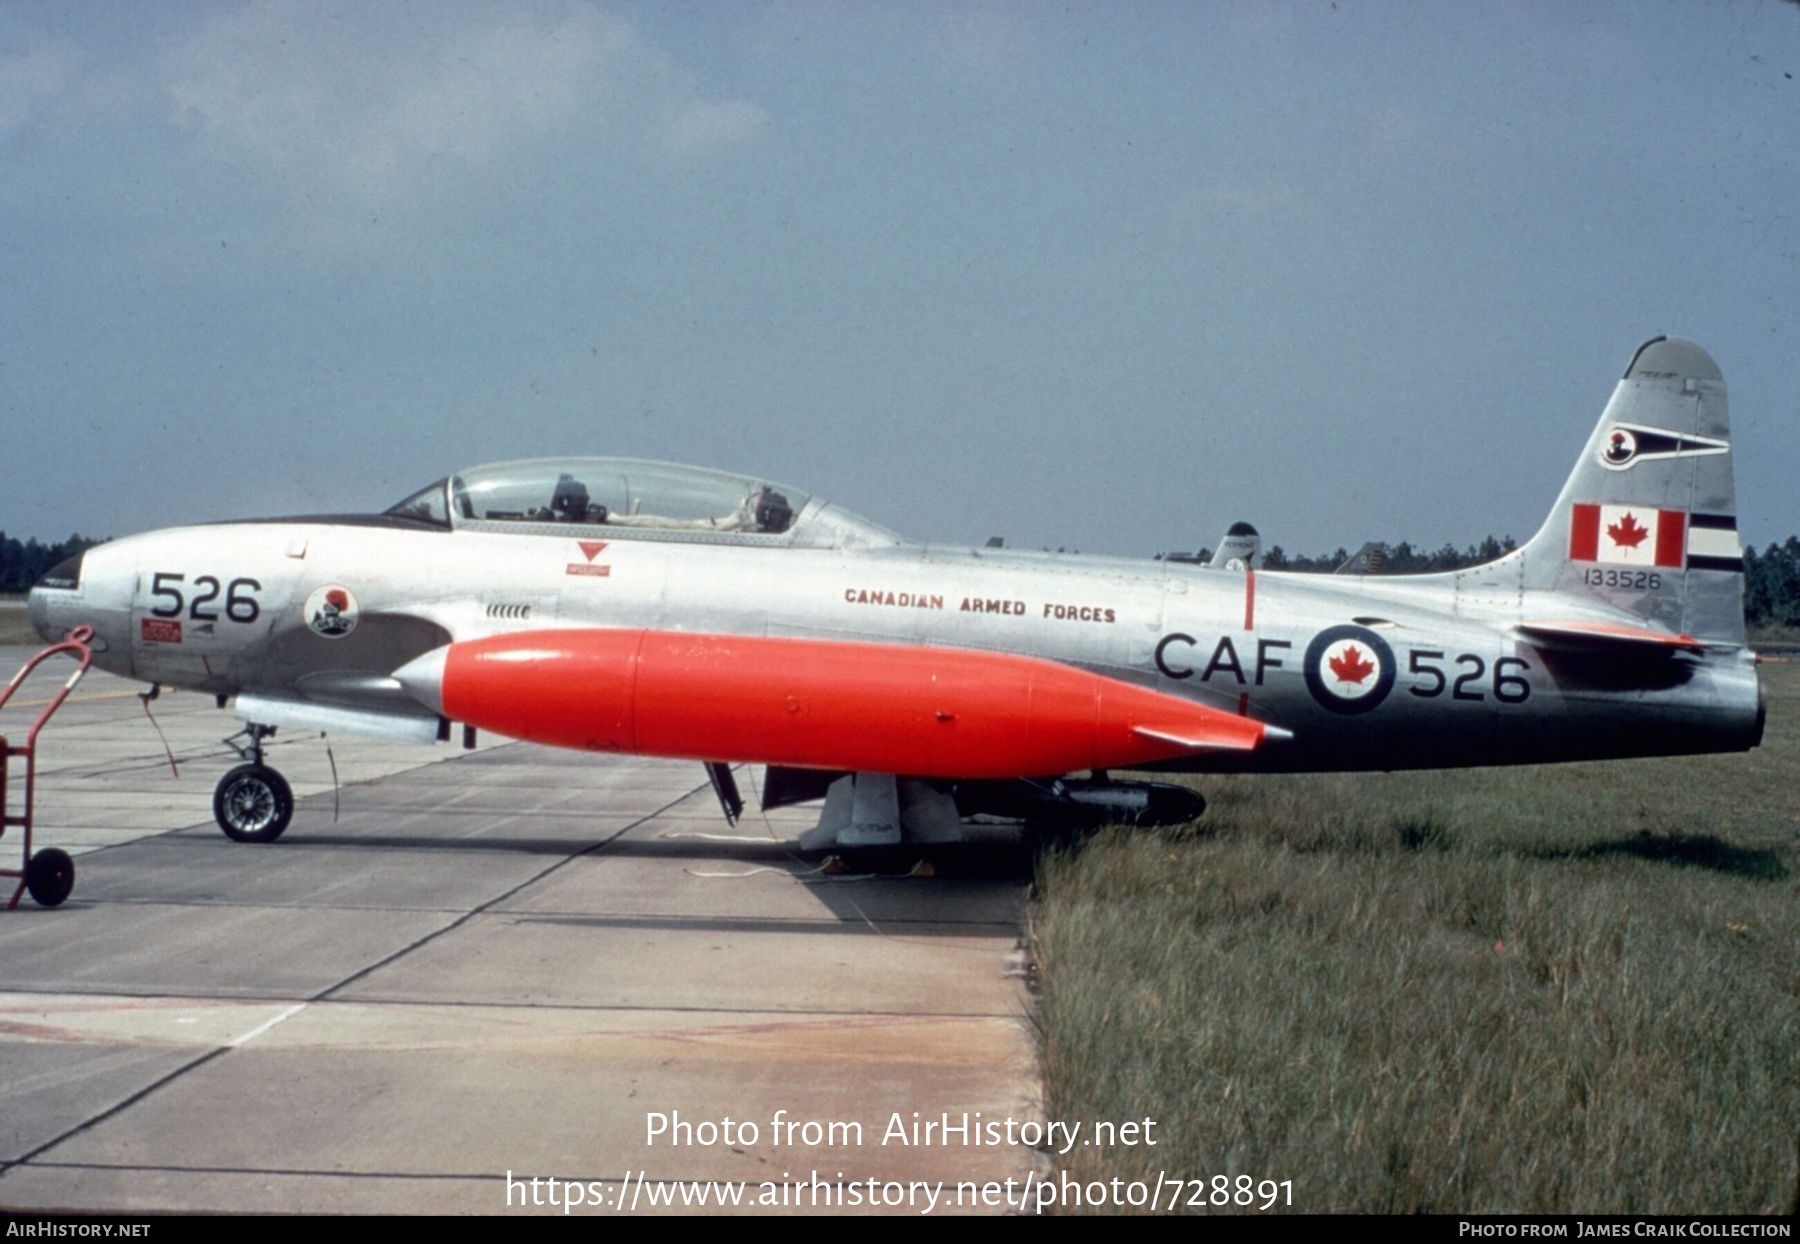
1349,669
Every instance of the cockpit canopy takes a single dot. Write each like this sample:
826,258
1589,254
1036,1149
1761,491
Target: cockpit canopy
622,496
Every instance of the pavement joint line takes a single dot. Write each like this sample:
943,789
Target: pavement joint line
1011,1017
323,995
292,1171
500,898
753,924
303,1172
236,904
136,762
121,1106
623,919
585,840
199,825
106,695
399,1003
416,809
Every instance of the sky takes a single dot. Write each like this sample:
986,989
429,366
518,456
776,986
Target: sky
1105,277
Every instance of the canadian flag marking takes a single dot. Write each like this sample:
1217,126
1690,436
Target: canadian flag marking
1627,535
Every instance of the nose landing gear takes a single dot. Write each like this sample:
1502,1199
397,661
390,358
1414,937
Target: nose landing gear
252,803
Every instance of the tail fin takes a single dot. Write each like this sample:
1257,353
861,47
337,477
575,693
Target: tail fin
1366,560
1239,550
1647,523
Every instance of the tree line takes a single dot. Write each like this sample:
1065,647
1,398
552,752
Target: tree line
1401,558
1771,577
24,563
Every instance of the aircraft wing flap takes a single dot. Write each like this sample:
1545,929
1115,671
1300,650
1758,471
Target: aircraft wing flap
1607,636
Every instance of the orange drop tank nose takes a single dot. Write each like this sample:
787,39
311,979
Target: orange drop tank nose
423,678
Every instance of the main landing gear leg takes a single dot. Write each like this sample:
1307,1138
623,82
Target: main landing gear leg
252,803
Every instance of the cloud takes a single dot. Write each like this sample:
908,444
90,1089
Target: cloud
375,100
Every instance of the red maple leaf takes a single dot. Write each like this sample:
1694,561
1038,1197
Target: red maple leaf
1351,667
1626,532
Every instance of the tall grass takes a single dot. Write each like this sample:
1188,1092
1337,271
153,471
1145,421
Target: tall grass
1569,989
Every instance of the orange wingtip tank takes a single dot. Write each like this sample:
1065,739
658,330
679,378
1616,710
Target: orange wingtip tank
931,712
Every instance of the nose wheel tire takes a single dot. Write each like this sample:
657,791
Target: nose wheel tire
49,875
252,803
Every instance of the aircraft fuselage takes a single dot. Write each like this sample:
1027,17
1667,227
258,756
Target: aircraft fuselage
1365,673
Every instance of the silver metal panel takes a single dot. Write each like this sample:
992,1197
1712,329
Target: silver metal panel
334,719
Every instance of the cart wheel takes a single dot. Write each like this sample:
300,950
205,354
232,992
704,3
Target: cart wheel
50,875
252,803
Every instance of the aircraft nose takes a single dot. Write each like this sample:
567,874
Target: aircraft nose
56,584
38,610
53,598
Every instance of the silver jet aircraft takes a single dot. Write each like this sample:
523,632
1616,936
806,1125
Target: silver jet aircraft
625,606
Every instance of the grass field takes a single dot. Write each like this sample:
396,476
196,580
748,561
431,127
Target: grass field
1568,988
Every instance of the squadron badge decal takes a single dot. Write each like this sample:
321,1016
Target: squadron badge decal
1349,669
1620,448
331,611
1624,445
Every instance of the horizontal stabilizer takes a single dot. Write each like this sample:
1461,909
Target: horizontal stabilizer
1613,636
